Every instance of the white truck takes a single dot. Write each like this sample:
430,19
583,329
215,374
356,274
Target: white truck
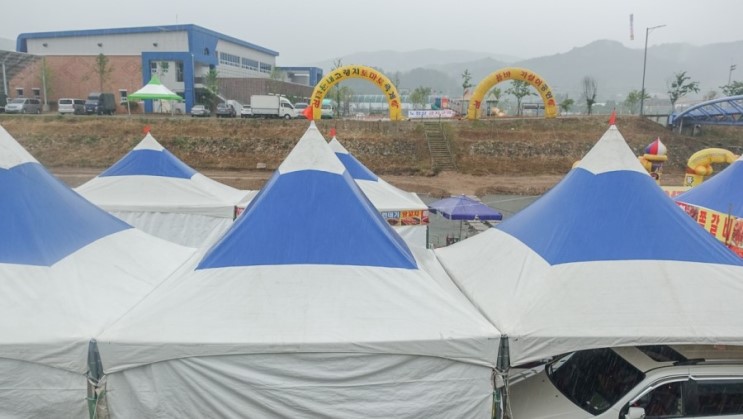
268,106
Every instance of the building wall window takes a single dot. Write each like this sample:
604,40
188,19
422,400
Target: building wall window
123,96
153,67
229,59
36,91
266,68
19,91
250,64
179,71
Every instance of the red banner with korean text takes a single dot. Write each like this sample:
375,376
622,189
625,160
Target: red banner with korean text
726,228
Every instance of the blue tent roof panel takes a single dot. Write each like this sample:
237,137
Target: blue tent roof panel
310,217
147,162
618,215
43,220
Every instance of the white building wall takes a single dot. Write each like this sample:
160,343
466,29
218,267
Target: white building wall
232,70
114,44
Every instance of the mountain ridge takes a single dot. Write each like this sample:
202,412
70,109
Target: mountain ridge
616,68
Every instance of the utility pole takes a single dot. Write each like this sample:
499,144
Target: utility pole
730,73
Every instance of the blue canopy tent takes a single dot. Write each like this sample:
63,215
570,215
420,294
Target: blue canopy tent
464,208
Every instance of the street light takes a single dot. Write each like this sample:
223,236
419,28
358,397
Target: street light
644,64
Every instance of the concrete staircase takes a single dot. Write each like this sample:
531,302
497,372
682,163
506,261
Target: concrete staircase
439,147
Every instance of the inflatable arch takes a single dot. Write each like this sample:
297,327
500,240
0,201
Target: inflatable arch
356,72
700,164
513,73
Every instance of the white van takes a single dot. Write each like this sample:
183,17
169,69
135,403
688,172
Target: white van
71,106
690,381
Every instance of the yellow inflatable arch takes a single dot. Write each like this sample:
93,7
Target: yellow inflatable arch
513,73
700,164
356,72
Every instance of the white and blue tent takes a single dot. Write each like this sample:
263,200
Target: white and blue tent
153,190
386,198
721,193
309,306
67,269
603,259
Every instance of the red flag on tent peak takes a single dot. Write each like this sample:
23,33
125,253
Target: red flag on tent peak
307,112
613,117
332,132
146,129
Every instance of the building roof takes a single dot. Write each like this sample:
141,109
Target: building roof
21,44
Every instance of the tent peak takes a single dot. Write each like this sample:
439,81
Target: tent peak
611,153
149,143
312,152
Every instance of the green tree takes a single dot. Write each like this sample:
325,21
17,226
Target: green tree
566,104
420,96
344,96
46,79
735,88
102,69
590,89
164,66
211,82
632,101
519,89
680,86
336,92
466,81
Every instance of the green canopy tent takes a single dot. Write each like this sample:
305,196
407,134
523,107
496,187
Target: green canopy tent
153,90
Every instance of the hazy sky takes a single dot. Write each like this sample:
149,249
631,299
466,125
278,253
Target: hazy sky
305,32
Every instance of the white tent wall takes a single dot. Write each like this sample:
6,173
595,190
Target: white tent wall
297,385
681,304
413,235
192,230
32,390
153,190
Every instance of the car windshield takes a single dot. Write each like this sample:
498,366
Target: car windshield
594,379
65,101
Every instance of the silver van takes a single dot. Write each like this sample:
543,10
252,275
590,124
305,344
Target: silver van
23,105
71,106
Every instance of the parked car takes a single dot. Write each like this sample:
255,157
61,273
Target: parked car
23,105
71,106
246,112
299,108
225,111
200,110
690,381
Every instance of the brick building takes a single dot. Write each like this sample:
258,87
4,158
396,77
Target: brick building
70,64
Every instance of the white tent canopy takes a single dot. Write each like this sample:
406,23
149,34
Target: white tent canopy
67,269
604,259
156,192
388,199
309,306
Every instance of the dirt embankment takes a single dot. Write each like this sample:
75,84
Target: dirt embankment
523,156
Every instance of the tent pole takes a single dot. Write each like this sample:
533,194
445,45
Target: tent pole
95,373
501,368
